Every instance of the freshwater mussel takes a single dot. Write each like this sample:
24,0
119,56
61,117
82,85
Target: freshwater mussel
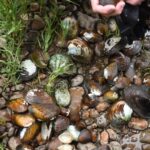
138,98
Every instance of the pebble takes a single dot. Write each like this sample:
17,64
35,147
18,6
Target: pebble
24,147
87,146
145,136
93,113
76,101
61,124
102,106
11,131
102,121
77,80
19,87
113,135
54,143
13,143
85,136
65,137
65,147
146,147
2,130
138,123
85,115
2,102
104,137
115,146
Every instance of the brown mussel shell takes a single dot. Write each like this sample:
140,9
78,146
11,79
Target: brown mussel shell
138,98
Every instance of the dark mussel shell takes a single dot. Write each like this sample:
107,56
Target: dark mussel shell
138,98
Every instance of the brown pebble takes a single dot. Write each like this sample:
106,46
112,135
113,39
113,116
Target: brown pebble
85,115
104,137
102,106
85,136
94,113
138,123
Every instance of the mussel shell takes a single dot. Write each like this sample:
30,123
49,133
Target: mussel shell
40,58
122,61
44,111
29,70
38,96
28,134
80,51
18,105
138,98
62,94
119,113
23,120
113,45
46,130
59,61
133,49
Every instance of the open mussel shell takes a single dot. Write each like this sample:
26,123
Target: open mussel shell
113,45
38,96
90,36
40,58
23,120
119,113
111,71
46,130
44,111
138,98
62,62
62,94
28,134
133,49
122,61
18,105
29,70
80,51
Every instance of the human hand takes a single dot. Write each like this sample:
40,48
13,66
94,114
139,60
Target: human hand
134,2
108,10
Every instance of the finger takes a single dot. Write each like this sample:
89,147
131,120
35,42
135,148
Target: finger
134,2
119,8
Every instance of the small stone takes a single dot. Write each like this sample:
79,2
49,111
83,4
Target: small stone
11,131
61,124
146,147
41,147
77,80
89,121
65,137
87,146
113,135
104,137
85,136
102,106
85,115
13,143
24,147
145,136
2,102
54,144
74,132
138,124
34,6
19,87
2,129
94,113
76,101
65,147
102,121
115,146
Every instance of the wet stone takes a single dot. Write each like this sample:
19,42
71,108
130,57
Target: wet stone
138,124
145,136
76,81
88,146
102,121
146,147
76,94
113,135
115,146
104,137
13,143
2,102
19,87
102,106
